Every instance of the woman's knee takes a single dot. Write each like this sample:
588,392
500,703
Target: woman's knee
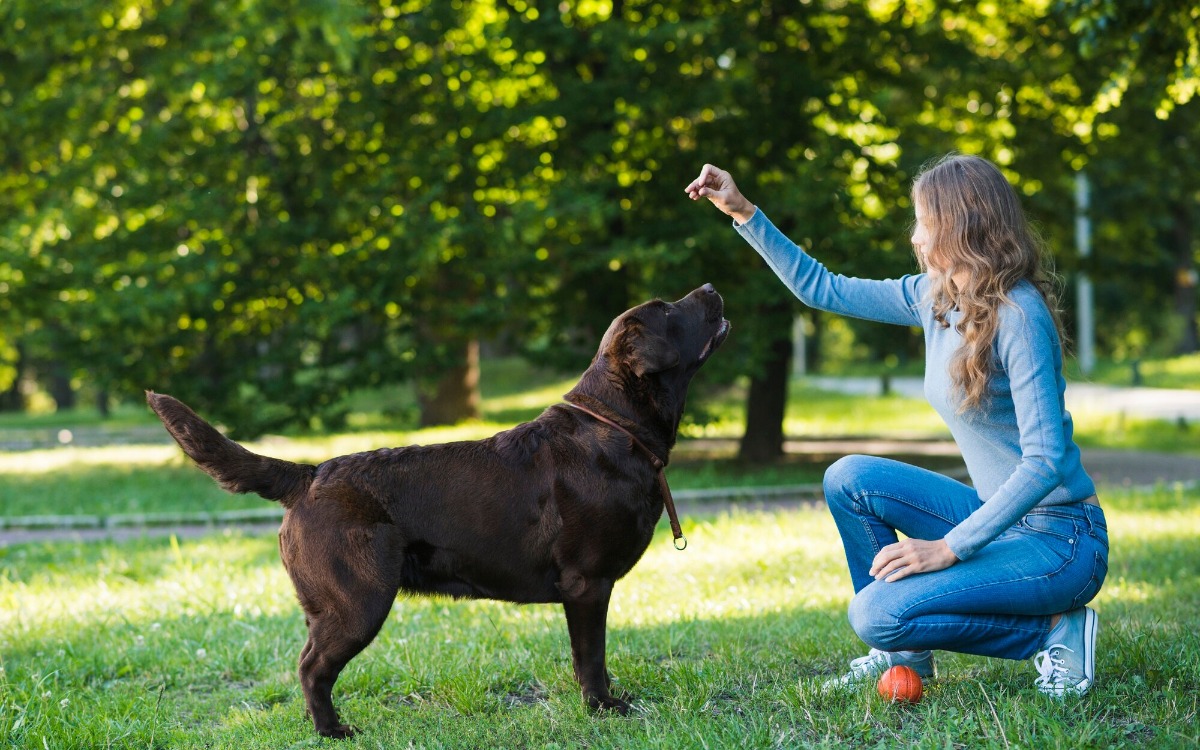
874,622
845,478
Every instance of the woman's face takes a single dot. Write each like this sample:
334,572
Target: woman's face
922,241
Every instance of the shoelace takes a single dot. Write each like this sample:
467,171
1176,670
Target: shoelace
869,665
1051,668
863,663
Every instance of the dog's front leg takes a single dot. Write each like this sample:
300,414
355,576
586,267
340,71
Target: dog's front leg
587,616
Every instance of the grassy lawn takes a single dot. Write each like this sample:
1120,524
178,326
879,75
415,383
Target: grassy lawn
193,644
1154,372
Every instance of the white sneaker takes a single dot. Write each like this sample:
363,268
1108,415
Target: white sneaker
1067,666
868,668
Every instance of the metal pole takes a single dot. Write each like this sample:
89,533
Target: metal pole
1086,333
799,348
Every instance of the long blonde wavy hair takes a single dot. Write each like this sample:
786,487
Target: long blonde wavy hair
977,226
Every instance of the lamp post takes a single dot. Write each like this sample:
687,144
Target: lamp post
1085,334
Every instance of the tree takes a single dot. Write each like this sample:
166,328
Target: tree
269,210
262,208
1136,42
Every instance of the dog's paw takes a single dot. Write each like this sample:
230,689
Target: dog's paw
339,732
608,703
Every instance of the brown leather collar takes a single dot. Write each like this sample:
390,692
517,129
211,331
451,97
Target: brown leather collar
668,501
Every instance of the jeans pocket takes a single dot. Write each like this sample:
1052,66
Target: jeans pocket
1055,541
1063,527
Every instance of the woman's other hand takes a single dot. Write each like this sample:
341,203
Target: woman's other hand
717,185
909,556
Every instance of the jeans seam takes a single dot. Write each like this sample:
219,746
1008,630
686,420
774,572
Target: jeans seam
857,497
904,615
870,534
908,624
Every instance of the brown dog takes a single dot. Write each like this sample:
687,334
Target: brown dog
554,510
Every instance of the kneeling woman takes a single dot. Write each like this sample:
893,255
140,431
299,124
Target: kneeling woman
1003,568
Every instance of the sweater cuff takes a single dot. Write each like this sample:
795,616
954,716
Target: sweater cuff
960,547
753,216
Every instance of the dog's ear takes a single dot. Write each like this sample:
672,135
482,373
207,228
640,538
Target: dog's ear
645,352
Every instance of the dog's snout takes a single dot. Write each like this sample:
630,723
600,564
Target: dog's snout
708,288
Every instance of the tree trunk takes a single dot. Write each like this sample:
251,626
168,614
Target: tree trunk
60,387
11,399
1185,280
767,400
455,396
815,356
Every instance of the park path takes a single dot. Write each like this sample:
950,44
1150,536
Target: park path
1172,404
1107,467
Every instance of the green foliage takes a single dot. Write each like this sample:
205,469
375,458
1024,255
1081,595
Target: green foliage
1138,38
263,207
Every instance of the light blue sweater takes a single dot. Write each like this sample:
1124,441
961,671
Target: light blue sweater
1018,445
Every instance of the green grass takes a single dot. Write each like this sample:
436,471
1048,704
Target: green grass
155,643
193,644
1155,372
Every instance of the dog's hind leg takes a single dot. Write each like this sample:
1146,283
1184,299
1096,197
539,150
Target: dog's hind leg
587,615
342,583
334,638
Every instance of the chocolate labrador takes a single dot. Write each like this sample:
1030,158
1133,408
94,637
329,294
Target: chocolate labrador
553,510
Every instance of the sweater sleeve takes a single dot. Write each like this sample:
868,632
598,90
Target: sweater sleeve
887,301
1027,349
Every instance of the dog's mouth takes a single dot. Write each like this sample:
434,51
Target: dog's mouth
718,338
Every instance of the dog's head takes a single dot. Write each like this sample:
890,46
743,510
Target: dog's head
651,352
659,337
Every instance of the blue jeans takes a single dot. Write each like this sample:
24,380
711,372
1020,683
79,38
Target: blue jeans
999,601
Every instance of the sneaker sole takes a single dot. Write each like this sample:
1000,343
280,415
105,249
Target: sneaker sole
1091,626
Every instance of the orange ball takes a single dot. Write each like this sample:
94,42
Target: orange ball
900,684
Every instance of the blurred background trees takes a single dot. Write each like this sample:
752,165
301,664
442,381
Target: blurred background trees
261,207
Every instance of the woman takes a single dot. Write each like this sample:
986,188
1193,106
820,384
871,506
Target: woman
1003,568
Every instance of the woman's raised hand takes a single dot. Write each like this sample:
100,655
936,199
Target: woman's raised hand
718,186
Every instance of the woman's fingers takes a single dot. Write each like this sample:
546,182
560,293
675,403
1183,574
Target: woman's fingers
707,180
910,556
887,561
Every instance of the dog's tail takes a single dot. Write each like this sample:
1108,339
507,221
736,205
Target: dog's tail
235,468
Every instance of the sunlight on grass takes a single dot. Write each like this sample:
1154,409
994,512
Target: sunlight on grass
1170,372
149,582
737,565
534,398
310,449
1104,429
829,415
194,643
55,459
